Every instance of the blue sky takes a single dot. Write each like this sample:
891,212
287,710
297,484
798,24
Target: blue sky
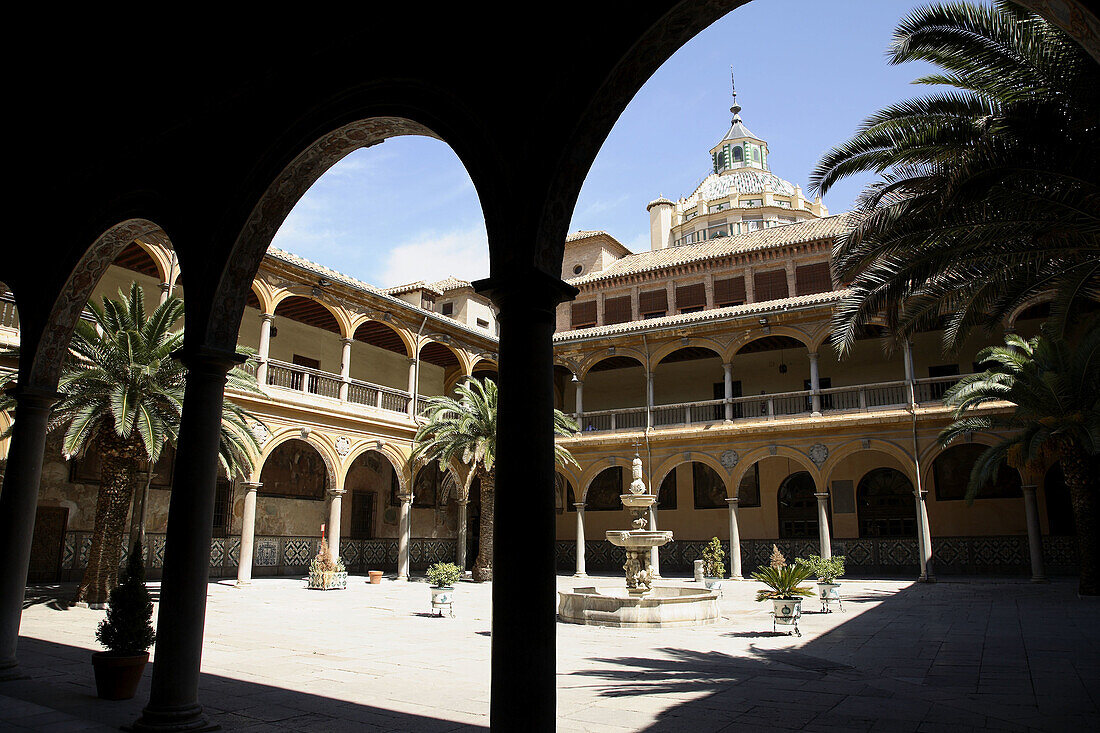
807,73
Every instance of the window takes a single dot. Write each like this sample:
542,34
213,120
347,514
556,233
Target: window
783,204
616,310
750,203
578,269
721,206
482,323
222,507
666,495
738,154
583,315
427,302
951,471
756,154
730,291
813,278
770,285
748,492
447,309
797,507
362,515
707,486
605,490
691,298
653,303
886,506
688,216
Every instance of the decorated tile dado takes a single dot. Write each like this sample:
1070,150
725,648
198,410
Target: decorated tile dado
158,551
217,552
266,552
297,552
69,551
234,556
349,552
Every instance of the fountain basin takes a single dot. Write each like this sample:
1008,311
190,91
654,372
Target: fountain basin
636,538
662,607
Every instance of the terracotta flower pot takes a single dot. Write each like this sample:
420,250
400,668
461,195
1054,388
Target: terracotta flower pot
117,675
375,576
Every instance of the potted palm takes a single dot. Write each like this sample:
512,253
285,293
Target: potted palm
826,570
126,633
784,592
443,576
326,573
713,567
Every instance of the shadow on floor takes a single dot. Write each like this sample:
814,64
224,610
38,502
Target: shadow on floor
234,704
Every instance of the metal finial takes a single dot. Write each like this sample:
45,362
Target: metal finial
736,108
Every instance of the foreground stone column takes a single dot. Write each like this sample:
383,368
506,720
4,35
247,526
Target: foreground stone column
18,503
735,540
580,401
404,541
1034,534
727,384
823,524
412,388
345,368
173,698
266,319
815,386
336,500
523,686
580,541
460,541
248,533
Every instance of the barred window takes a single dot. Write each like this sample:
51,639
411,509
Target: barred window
730,291
653,301
770,285
583,314
815,278
691,296
616,310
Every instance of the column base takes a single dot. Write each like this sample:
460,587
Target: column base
189,719
580,575
243,583
927,579
736,577
401,579
10,670
813,414
1039,580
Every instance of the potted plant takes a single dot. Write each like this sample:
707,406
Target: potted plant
326,573
784,592
713,567
127,633
826,570
443,576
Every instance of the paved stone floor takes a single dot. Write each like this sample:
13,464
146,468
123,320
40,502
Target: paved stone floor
962,654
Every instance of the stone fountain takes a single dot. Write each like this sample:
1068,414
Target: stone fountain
640,604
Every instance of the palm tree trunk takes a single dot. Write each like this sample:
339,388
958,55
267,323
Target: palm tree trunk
112,505
483,568
460,541
1075,468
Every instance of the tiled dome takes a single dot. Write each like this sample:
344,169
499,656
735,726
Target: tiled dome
741,181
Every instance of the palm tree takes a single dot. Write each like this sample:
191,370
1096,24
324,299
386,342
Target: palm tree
122,394
466,429
1055,390
989,191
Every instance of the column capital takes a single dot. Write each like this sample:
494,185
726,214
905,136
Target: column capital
727,365
733,502
1028,488
33,397
208,359
269,317
251,486
920,493
812,355
579,505
336,492
347,340
165,287
412,360
821,495
535,289
406,498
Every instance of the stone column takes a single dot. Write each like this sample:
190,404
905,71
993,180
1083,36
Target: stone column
404,541
345,368
336,500
580,541
173,698
924,538
580,401
735,540
823,524
815,385
18,502
649,399
412,388
248,533
727,383
523,685
460,542
1034,534
266,319
654,555
165,291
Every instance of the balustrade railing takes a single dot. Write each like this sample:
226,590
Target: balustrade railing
9,314
325,384
854,398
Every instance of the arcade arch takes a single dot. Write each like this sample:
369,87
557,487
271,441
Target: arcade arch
692,373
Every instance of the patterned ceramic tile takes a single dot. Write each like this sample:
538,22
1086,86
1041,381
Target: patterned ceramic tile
297,552
266,552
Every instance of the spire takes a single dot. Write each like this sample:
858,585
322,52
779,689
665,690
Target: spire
736,108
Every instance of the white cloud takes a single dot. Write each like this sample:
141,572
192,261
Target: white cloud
431,256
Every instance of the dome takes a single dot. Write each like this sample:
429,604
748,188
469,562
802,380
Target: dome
741,181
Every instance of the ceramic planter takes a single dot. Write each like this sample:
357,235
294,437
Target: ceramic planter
117,675
712,583
829,592
786,612
375,576
443,599
328,581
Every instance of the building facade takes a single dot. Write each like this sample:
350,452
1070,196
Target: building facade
707,355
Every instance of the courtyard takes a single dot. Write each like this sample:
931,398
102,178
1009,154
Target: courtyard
961,654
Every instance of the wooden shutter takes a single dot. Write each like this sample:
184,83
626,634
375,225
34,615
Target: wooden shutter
730,291
691,296
813,278
616,310
653,301
583,314
770,285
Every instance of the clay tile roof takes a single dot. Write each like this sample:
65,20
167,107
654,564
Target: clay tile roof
803,231
715,314
329,273
450,283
